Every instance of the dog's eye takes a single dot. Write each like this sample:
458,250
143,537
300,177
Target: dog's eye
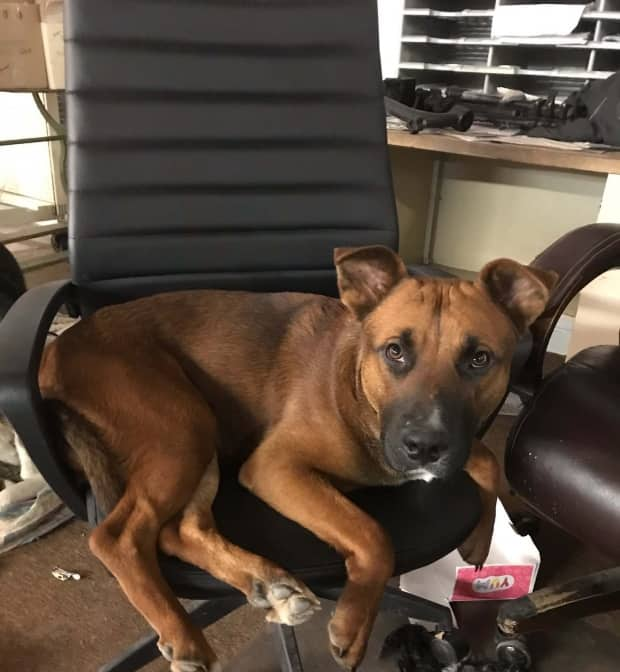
481,359
394,352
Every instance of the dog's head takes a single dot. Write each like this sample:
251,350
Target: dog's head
435,354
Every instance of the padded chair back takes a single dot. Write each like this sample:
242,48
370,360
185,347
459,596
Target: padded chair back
222,144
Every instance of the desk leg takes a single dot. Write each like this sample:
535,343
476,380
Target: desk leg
433,204
413,172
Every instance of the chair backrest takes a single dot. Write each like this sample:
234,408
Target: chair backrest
223,143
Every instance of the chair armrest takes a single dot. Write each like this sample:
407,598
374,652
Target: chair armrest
578,257
23,332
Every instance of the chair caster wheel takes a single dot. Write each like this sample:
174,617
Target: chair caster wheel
513,654
60,242
450,649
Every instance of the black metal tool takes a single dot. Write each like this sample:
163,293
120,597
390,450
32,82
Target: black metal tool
458,117
493,109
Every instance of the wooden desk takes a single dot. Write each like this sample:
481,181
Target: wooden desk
579,160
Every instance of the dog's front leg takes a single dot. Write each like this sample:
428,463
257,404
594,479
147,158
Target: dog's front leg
483,468
301,494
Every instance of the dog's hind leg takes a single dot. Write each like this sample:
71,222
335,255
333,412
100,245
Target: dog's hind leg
194,538
158,488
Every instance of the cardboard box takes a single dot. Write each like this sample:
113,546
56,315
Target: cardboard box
53,42
22,64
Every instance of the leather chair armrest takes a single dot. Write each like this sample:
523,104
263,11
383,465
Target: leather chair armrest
22,338
578,257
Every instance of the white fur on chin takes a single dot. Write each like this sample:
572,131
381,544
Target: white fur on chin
420,475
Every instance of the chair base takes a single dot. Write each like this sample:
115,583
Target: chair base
145,650
206,613
548,607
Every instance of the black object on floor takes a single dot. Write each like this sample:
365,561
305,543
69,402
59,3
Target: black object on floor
415,649
12,284
410,648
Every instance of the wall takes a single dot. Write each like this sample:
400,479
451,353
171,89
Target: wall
598,317
25,174
489,210
483,210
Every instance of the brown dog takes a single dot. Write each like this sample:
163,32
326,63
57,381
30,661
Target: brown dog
157,394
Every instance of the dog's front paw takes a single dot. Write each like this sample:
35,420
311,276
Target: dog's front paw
348,639
187,665
287,600
194,666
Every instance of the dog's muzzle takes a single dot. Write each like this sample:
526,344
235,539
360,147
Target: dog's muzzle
420,444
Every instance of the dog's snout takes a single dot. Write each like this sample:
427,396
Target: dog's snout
424,447
425,440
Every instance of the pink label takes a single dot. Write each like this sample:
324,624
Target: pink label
495,582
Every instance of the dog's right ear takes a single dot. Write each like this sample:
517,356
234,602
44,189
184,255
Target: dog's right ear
366,275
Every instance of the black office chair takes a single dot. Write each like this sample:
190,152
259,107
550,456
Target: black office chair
12,284
225,144
562,455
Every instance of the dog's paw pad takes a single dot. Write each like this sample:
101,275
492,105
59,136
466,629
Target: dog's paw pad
281,591
166,651
299,605
192,666
339,654
288,601
347,647
186,665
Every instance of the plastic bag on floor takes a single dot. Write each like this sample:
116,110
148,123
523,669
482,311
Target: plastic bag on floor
28,506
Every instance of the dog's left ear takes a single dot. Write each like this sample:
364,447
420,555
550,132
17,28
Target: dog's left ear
522,291
366,275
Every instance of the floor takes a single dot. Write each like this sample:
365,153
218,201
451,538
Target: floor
49,626
30,253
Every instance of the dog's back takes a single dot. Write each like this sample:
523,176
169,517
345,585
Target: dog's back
234,348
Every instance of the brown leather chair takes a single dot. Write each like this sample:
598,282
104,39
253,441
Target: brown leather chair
563,454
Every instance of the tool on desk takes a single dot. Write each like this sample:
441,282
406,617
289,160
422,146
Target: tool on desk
458,117
440,106
587,115
505,111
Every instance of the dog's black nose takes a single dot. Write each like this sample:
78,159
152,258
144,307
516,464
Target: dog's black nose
424,447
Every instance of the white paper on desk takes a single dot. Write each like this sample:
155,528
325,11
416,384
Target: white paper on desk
535,20
390,32
475,133
573,38
544,142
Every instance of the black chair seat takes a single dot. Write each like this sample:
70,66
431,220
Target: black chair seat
563,456
425,520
